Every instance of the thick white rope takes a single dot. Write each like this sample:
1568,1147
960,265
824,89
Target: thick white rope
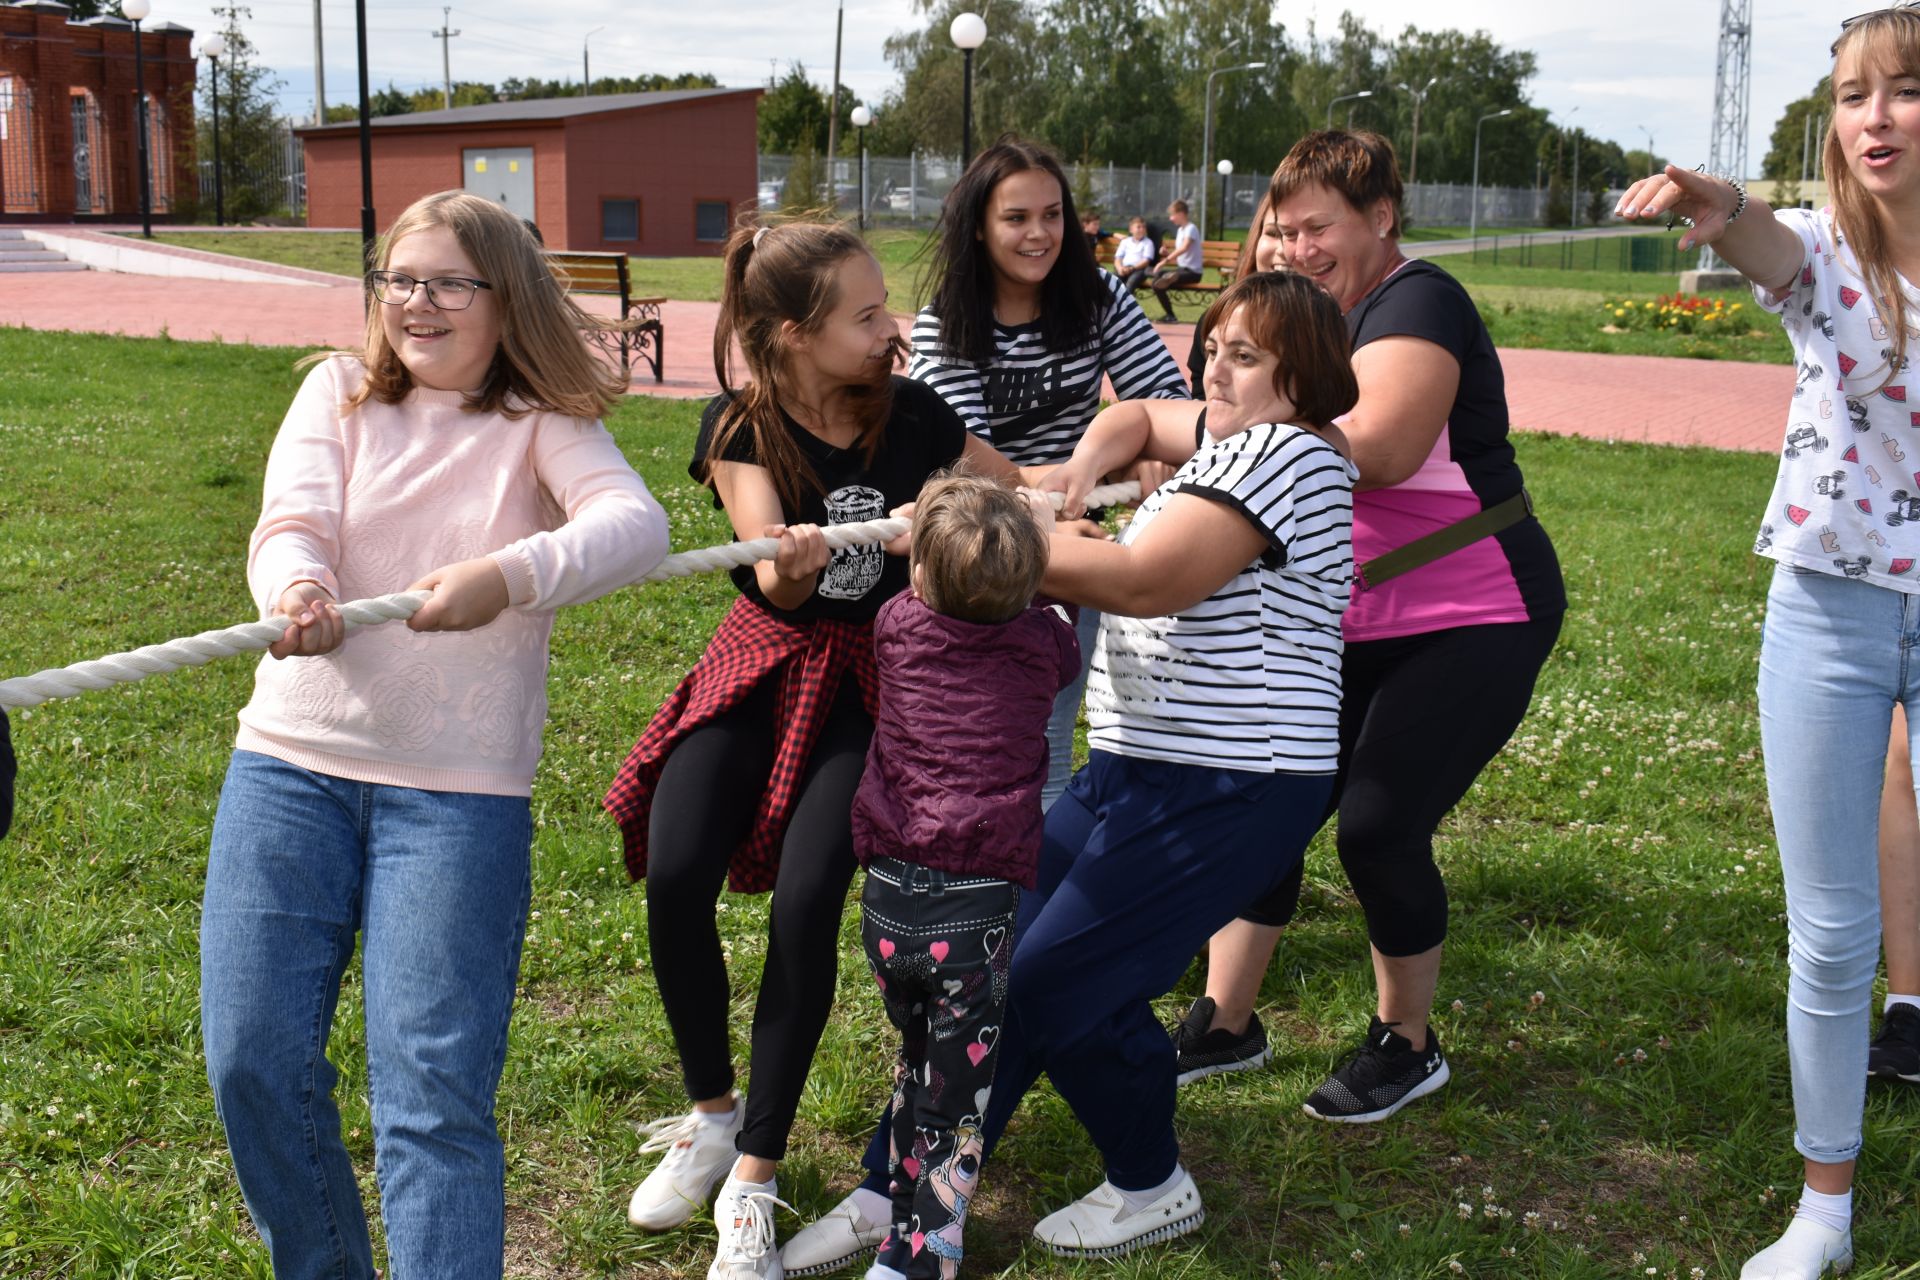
247,637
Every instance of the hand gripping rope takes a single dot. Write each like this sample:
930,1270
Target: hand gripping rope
197,651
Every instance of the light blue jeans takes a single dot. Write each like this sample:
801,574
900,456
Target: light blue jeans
1835,656
436,884
1066,713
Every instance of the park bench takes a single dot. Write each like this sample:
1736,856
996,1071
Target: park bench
1217,256
606,274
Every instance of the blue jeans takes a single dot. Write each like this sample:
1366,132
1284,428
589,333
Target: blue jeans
436,884
1066,713
1836,654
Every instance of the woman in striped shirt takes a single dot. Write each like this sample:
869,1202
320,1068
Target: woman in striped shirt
1022,328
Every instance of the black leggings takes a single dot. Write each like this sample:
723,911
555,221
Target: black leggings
1420,717
702,809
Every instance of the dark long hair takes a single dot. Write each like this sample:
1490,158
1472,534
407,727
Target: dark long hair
1072,297
773,276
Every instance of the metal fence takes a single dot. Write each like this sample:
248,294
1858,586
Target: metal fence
908,192
271,181
19,185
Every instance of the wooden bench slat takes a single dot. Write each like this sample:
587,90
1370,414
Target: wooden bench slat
607,274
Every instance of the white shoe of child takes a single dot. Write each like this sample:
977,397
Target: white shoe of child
1804,1251
744,1214
836,1238
698,1154
1098,1224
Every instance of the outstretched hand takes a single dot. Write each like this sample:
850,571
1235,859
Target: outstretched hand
1703,200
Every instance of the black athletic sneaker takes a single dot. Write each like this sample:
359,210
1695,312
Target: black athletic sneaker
1204,1051
1383,1075
1895,1052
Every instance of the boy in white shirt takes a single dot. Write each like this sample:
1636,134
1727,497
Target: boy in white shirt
1133,255
1182,266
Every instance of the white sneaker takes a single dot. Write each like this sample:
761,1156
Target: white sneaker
839,1236
1804,1251
698,1155
1097,1225
744,1215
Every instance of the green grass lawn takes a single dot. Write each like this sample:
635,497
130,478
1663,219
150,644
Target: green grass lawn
1612,1000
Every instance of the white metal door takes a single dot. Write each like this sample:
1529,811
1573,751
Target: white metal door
502,173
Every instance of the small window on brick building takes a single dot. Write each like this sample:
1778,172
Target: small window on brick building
619,219
710,220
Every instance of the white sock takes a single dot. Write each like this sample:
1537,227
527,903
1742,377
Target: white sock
1893,1000
873,1206
1138,1200
1829,1211
719,1119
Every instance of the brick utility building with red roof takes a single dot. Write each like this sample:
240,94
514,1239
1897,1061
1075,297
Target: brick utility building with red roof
650,174
68,139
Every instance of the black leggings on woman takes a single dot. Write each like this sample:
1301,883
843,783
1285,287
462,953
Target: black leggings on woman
1420,717
703,808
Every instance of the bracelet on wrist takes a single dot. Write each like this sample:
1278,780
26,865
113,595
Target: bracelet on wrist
1739,191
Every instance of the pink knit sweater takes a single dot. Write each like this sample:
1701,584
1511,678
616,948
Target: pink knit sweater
368,500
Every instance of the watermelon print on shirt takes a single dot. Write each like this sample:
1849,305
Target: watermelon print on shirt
1846,500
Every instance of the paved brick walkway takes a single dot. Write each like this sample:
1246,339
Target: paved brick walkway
1655,399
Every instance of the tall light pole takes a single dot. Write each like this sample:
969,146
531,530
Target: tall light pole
833,110
214,47
860,119
968,31
366,144
1649,133
135,11
1225,170
586,67
1206,135
1473,222
1573,198
1419,99
1345,97
319,70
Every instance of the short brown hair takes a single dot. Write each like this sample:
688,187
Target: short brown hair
1178,206
1360,166
978,550
1299,322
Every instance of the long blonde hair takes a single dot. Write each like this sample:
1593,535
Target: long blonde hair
1890,39
543,362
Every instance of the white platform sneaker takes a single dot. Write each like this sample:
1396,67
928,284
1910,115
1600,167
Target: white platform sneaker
842,1235
1097,1225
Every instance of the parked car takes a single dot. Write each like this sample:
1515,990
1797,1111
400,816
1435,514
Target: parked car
913,202
770,194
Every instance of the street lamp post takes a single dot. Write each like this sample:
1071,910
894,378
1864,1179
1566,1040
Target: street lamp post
366,144
586,67
968,31
1206,134
135,11
1473,221
1345,97
1649,134
860,119
1225,170
213,47
1419,99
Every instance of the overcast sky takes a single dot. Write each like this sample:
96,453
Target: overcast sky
1626,65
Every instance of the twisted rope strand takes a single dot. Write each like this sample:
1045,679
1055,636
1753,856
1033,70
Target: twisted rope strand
251,637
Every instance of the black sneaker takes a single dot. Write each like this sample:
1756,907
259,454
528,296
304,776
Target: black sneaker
1203,1051
1380,1077
1895,1052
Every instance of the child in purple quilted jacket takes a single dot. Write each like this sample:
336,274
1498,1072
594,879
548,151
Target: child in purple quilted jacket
947,823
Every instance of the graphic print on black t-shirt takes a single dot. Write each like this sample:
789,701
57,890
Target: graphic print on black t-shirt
853,571
1024,400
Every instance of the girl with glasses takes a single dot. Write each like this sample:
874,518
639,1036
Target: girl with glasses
1843,610
379,789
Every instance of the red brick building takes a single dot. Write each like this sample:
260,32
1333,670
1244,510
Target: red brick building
68,137
653,174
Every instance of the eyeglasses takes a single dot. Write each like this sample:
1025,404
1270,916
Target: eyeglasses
449,293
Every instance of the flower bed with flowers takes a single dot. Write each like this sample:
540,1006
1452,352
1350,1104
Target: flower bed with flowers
1611,1003
1683,313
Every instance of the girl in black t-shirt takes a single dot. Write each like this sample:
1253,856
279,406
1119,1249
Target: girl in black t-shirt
747,773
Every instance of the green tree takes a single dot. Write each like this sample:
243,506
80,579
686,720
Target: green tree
1794,147
1011,92
793,115
1119,110
252,134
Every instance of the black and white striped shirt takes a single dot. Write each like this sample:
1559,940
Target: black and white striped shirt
1249,678
1033,404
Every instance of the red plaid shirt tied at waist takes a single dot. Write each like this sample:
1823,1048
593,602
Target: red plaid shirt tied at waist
809,659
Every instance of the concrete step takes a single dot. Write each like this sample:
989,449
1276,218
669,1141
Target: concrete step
30,252
61,265
12,233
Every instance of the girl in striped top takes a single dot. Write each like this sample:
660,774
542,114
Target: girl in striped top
1214,708
1022,328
